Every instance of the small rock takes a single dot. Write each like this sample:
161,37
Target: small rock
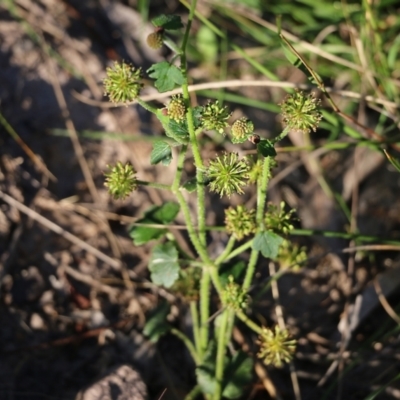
121,383
36,321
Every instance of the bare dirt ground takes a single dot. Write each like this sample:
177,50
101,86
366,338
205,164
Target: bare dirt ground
75,292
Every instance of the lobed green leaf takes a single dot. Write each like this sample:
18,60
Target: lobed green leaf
164,265
161,153
267,243
168,22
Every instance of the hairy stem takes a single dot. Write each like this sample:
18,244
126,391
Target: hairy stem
220,361
196,328
252,325
188,343
204,309
262,185
227,251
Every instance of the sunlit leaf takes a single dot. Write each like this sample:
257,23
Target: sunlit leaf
267,243
163,264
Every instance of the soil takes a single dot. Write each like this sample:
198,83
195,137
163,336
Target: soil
70,315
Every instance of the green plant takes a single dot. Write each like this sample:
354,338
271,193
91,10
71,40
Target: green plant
219,373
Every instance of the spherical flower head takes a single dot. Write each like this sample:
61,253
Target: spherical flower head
122,83
176,109
227,174
276,347
215,117
240,222
300,112
241,130
233,296
120,180
278,220
155,40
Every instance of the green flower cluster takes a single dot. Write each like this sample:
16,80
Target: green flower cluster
122,83
120,180
278,220
241,130
228,174
276,347
234,297
215,117
240,222
300,112
176,109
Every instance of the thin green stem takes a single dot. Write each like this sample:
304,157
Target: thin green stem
215,280
154,185
239,250
179,168
201,212
171,45
192,10
250,269
201,251
199,239
221,348
204,308
188,343
192,395
146,106
227,251
283,134
262,185
196,327
252,325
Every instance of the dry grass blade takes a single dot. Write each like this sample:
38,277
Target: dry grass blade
60,231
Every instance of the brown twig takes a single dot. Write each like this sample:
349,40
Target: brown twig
60,231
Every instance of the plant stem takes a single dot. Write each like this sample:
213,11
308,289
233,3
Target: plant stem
252,325
283,134
188,344
250,270
215,279
199,238
221,348
204,309
179,168
193,393
154,185
239,250
196,328
201,212
201,251
262,191
227,251
146,106
262,185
